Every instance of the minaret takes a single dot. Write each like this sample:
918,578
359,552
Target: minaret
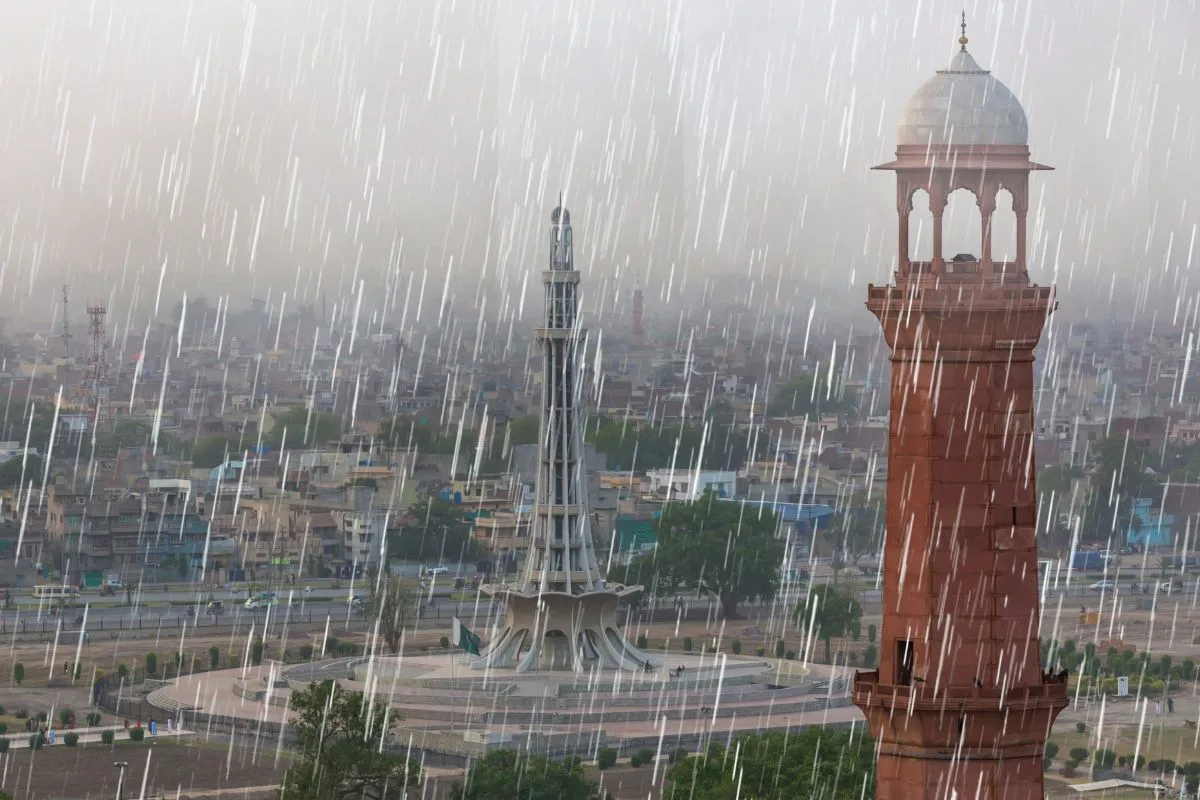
561,610
960,706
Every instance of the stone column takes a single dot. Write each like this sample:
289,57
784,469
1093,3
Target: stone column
1021,208
903,207
987,208
938,197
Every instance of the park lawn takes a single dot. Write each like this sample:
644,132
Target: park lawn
1176,743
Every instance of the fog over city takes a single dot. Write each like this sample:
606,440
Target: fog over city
291,146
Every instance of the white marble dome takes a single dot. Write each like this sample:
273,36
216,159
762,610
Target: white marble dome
963,105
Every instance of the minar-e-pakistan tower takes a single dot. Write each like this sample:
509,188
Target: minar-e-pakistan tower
561,616
960,706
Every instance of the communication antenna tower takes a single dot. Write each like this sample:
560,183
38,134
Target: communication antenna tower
97,359
66,325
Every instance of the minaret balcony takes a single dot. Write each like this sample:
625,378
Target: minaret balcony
867,691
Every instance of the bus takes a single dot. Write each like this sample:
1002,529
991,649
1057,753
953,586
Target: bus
55,592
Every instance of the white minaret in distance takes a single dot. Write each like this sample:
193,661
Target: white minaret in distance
561,615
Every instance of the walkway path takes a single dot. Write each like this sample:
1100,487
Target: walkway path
20,741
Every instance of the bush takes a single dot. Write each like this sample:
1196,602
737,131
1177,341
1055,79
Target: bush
331,644
151,663
853,658
1079,754
1141,762
870,656
790,655
18,672
1162,765
93,719
1104,759
677,755
871,632
214,657
643,756
71,739
736,647
1051,749
444,642
780,648
1047,762
122,671
1081,727
687,644
606,758
642,641
108,737
21,714
306,652
760,651
36,741
3,728
256,653
137,733
4,745
1068,769
64,716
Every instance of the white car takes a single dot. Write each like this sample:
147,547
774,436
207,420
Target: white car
1100,586
435,571
253,603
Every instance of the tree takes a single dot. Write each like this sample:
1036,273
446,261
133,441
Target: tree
726,547
836,613
213,451
524,430
807,395
659,447
395,609
1119,478
515,775
343,748
299,427
12,470
437,529
859,531
18,672
816,762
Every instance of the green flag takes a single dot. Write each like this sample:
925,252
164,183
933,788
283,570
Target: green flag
464,639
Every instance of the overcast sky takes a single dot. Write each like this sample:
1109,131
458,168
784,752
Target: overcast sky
300,146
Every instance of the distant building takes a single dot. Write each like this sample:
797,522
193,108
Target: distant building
686,484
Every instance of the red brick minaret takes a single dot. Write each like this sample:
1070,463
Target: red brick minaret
960,706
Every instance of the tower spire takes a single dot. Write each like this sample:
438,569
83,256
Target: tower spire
962,40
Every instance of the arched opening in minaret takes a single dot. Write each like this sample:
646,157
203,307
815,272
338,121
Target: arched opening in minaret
962,227
920,228
1004,230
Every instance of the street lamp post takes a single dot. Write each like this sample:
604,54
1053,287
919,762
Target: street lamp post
121,765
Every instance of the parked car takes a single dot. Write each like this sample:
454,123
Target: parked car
436,571
1100,586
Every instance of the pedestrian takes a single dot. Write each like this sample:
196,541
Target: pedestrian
1170,705
1158,708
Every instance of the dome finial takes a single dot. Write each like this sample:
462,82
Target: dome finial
962,40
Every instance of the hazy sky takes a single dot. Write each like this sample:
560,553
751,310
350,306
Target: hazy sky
239,147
